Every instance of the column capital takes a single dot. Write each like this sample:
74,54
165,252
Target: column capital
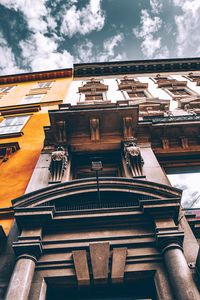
27,256
166,241
31,250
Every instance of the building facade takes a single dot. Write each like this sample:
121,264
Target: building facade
96,215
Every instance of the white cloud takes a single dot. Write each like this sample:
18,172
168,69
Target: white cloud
83,21
7,62
148,25
156,6
41,53
84,52
34,12
151,45
87,52
111,44
188,24
189,183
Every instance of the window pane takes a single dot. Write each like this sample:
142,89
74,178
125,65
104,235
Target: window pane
136,94
42,85
32,99
180,92
13,124
5,89
187,180
10,129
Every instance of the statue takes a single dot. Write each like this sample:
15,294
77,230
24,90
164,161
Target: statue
133,158
59,159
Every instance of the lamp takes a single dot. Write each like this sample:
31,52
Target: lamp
97,166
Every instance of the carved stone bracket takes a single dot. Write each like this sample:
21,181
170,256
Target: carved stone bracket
94,130
61,131
133,157
99,258
128,127
59,161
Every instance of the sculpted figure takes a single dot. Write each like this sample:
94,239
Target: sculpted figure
133,158
59,159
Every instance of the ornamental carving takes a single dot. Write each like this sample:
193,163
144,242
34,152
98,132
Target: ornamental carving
61,131
133,158
59,160
94,130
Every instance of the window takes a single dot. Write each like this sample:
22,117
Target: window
110,160
133,87
44,85
136,94
181,92
94,90
95,96
5,89
32,99
13,124
186,179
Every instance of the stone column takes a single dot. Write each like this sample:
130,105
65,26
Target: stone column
20,282
179,273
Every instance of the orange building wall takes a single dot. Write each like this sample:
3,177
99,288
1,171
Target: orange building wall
15,96
16,172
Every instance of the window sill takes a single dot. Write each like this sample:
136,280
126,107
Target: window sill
11,135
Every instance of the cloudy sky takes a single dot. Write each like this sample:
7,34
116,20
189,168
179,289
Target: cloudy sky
51,34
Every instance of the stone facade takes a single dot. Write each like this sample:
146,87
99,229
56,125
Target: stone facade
116,230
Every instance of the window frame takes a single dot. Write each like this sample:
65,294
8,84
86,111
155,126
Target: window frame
33,96
15,126
2,91
44,83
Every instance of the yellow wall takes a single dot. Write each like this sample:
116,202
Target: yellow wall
15,96
16,172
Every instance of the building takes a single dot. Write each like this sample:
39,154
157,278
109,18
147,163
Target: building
99,217
24,103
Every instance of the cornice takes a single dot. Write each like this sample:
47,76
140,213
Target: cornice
44,75
137,67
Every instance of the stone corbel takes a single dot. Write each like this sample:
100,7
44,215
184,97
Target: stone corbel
128,127
133,158
184,142
165,143
61,131
94,130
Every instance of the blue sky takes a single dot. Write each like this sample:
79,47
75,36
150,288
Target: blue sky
51,34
